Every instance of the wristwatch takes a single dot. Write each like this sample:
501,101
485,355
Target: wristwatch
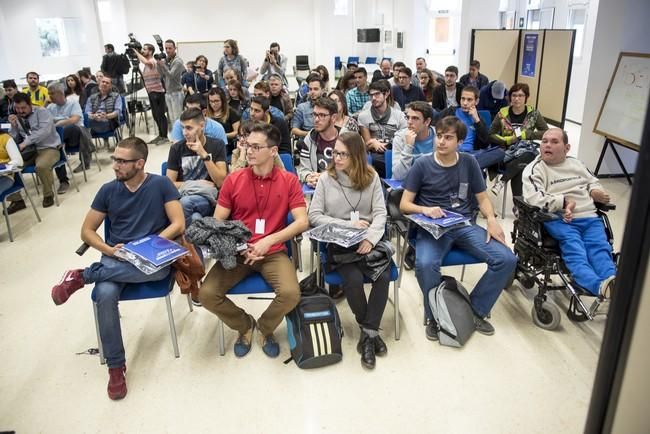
208,157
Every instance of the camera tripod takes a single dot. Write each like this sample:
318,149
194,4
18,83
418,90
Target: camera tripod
137,83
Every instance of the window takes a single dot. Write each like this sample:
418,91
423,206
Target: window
577,22
340,7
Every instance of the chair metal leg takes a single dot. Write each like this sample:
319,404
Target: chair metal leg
29,197
505,198
102,360
222,338
35,179
396,307
83,166
56,195
6,214
172,326
74,181
189,302
99,166
462,273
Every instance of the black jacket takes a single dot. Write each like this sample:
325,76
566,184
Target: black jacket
377,75
439,97
482,80
6,109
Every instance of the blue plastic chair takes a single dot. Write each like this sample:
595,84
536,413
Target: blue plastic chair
486,116
337,63
142,291
287,160
388,160
254,283
353,59
19,185
71,150
371,60
63,161
335,278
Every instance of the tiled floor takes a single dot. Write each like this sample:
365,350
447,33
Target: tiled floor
522,379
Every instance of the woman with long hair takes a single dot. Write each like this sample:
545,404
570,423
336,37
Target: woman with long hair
203,79
349,194
343,121
346,82
220,111
73,88
236,97
324,76
428,83
232,60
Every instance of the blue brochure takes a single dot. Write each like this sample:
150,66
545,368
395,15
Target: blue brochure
151,253
439,226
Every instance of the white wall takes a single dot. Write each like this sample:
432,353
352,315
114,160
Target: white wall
20,44
620,26
476,14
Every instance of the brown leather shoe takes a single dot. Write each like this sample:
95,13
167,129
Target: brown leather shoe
16,206
116,382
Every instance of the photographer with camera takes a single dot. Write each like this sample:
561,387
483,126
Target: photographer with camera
115,65
155,90
274,63
171,68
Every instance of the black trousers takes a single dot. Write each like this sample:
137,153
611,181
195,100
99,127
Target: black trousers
158,110
514,170
368,312
74,136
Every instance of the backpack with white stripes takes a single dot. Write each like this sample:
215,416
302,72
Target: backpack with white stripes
314,330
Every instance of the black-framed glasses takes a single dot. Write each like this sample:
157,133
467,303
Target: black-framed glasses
122,161
403,77
341,155
321,115
255,148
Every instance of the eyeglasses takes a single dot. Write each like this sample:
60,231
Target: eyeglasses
374,94
517,95
321,115
403,77
341,155
255,148
121,161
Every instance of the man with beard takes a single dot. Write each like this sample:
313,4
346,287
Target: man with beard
139,204
303,118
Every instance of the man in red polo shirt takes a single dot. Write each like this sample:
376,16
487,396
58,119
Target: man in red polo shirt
261,196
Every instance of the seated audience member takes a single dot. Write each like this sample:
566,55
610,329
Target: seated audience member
343,121
260,196
233,60
349,193
89,87
405,92
476,141
347,82
428,84
379,124
213,128
452,180
493,97
67,114
139,204
357,97
37,93
238,160
414,141
220,111
104,107
237,98
187,76
280,98
197,167
263,90
513,128
9,154
202,79
384,72
449,94
396,67
324,76
32,128
474,76
73,88
303,117
260,113
7,101
316,147
563,185
275,63
420,66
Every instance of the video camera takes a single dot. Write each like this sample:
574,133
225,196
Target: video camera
132,45
162,54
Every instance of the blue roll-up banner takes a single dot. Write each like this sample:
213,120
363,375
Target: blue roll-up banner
530,55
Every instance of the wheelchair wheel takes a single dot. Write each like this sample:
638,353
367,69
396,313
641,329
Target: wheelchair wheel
547,317
527,282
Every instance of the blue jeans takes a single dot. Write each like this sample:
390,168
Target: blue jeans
489,156
585,250
110,276
6,182
195,207
429,255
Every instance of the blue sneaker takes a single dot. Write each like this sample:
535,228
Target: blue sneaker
270,347
243,343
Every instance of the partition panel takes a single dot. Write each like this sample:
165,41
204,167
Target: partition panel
497,52
555,75
531,46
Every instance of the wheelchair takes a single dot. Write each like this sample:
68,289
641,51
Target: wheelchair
540,260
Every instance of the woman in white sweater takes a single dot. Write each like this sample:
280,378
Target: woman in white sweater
350,194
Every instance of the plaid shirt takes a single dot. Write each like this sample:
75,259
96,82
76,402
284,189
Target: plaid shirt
355,100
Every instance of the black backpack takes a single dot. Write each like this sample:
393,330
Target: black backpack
314,332
123,65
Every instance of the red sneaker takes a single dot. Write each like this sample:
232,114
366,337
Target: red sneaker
71,281
116,383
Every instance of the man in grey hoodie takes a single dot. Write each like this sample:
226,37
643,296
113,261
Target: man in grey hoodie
415,140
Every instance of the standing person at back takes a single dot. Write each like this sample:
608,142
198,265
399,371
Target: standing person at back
113,66
37,93
474,76
232,60
274,63
171,69
155,90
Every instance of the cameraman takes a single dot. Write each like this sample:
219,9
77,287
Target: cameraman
274,63
111,66
155,89
171,69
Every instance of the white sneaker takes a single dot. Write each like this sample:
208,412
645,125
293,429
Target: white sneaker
606,286
497,188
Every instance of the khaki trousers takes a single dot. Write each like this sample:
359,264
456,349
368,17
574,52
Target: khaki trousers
277,269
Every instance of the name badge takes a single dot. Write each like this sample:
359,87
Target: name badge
518,132
260,225
354,216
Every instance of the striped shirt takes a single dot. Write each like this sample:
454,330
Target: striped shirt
152,79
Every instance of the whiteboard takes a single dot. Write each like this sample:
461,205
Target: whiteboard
213,50
622,114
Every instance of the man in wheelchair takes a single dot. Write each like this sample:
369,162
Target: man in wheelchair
563,186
